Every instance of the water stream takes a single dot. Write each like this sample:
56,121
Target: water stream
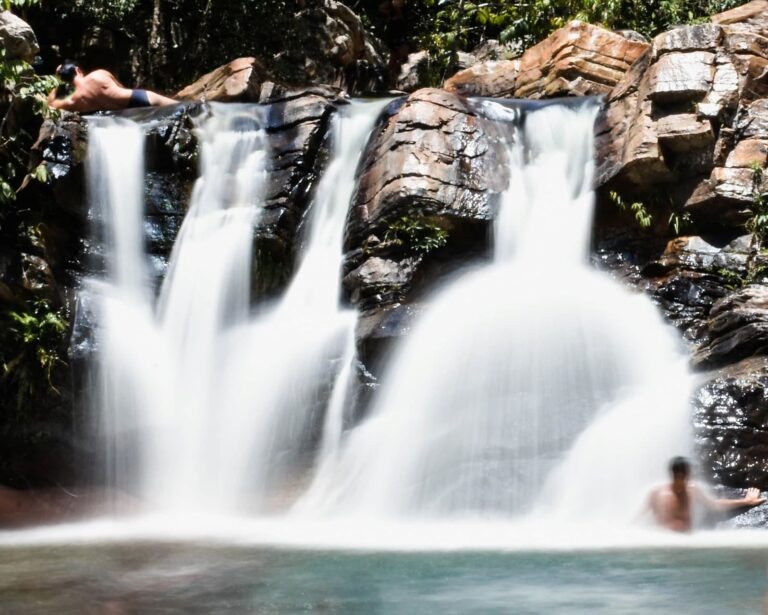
533,384
208,406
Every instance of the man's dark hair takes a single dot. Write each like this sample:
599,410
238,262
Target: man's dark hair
680,466
67,71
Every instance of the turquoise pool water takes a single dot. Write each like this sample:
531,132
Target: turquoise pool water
195,577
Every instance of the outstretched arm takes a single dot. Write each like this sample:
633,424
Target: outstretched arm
752,498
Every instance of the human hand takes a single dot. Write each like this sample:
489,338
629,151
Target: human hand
753,497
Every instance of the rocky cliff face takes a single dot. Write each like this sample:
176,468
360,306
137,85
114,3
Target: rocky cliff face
684,135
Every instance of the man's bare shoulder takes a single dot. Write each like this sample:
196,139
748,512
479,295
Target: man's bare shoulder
101,76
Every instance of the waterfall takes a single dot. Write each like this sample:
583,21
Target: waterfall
534,384
208,406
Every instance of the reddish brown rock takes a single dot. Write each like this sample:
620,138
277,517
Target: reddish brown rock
748,153
724,197
737,328
576,60
752,16
432,153
493,78
684,132
435,165
675,123
240,80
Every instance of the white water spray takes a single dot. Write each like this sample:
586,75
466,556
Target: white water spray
534,383
223,405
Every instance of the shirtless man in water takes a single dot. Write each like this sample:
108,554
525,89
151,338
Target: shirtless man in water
672,504
100,91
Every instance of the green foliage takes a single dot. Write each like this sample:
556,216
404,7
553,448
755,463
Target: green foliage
415,234
731,279
638,209
7,5
679,221
755,274
23,106
173,42
107,12
31,350
758,220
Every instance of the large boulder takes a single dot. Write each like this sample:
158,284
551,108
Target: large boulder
428,188
576,60
730,415
689,120
239,80
17,37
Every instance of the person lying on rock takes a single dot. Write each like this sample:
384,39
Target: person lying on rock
99,90
672,504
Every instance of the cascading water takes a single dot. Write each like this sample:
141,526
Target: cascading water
211,408
533,383
160,368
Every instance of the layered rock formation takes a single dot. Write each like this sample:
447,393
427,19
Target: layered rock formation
579,59
686,119
426,196
691,116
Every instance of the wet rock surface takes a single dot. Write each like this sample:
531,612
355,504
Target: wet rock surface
730,421
297,126
691,275
426,197
737,328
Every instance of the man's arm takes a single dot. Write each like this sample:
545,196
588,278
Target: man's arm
752,498
65,104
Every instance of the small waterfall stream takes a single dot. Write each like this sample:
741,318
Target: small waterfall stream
210,408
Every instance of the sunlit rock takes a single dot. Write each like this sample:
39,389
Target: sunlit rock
675,123
240,80
17,37
578,59
428,185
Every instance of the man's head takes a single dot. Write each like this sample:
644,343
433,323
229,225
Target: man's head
68,71
680,468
